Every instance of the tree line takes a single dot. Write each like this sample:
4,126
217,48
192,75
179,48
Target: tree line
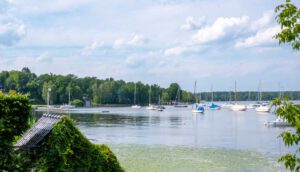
109,91
98,91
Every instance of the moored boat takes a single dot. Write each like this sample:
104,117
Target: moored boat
238,107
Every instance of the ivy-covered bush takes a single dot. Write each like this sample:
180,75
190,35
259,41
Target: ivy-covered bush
14,115
66,149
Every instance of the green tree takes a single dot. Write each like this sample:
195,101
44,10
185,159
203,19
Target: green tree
77,103
165,98
288,18
173,90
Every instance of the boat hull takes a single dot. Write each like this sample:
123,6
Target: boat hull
238,107
263,109
135,107
197,111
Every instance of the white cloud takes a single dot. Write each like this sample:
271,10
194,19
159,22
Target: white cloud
44,57
264,21
119,43
192,23
220,28
261,38
136,41
11,30
88,50
181,50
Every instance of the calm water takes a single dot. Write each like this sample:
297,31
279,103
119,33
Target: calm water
178,126
146,132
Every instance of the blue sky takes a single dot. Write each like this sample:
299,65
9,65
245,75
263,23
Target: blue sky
153,41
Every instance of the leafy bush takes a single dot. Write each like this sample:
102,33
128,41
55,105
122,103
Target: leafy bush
291,113
77,102
66,149
14,115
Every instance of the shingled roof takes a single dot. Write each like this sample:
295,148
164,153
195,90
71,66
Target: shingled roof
37,132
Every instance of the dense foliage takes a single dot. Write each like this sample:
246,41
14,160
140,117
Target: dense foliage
14,115
289,19
66,149
107,91
291,113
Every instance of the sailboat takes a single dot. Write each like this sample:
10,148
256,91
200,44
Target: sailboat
159,107
262,106
213,106
135,106
68,106
178,103
235,106
198,109
228,104
150,106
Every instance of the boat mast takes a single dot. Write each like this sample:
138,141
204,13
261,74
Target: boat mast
134,99
178,95
195,91
150,95
69,96
235,91
212,94
249,96
230,95
260,94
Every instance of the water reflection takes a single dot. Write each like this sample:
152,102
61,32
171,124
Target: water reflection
222,128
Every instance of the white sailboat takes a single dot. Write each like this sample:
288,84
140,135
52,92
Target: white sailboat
67,106
159,108
150,106
178,103
135,106
197,109
262,106
229,103
235,106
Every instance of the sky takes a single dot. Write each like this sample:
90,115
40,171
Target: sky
213,42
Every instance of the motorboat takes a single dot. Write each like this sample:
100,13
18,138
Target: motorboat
279,122
263,108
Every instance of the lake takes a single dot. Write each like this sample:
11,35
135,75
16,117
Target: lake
177,140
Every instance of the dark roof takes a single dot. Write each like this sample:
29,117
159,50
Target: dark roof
37,132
